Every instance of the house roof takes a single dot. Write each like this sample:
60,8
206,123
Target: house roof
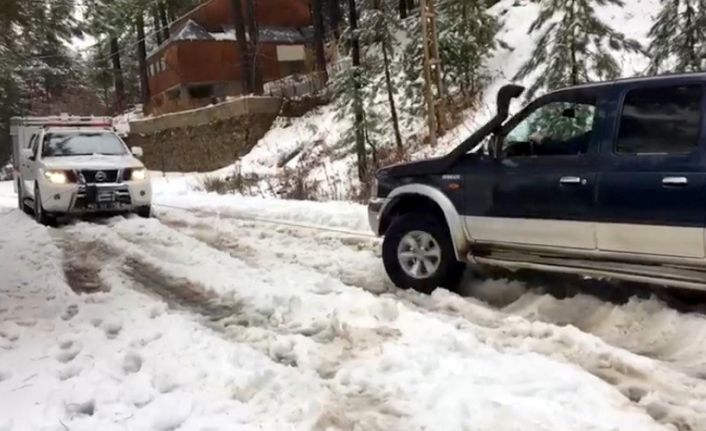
192,31
212,14
270,34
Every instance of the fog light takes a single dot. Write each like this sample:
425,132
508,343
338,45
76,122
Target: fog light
57,197
142,193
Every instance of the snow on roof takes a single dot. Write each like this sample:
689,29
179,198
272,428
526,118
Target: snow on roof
271,34
192,31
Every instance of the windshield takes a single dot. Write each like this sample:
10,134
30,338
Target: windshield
82,144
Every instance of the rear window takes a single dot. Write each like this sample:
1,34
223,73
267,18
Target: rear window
660,120
82,144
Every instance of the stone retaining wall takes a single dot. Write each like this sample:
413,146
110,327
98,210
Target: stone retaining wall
204,139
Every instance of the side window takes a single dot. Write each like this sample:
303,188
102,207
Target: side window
664,120
553,129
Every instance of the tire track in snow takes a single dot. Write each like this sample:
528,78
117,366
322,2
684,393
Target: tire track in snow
665,346
665,392
237,321
81,264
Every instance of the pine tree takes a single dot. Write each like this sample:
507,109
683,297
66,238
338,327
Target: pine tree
678,37
375,82
575,46
35,63
466,39
379,25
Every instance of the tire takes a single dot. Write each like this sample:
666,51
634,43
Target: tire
40,215
21,199
439,267
144,212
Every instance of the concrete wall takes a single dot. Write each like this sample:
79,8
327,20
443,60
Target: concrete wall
204,139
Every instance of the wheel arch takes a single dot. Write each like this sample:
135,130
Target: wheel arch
416,197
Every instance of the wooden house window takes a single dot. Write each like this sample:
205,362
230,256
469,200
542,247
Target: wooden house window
200,91
290,53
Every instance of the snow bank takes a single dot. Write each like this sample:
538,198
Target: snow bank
8,198
179,191
122,122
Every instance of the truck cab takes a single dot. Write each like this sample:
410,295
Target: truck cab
67,166
604,180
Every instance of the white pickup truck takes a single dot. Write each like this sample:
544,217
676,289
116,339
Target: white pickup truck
66,166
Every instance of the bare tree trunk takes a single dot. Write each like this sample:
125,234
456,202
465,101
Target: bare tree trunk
255,78
242,43
357,102
142,58
117,73
334,13
165,21
573,47
319,37
157,26
403,9
391,99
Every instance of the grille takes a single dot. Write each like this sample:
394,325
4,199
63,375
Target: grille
110,176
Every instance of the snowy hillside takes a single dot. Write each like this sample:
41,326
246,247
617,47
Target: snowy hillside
319,131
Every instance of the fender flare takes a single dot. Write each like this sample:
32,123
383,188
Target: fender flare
454,221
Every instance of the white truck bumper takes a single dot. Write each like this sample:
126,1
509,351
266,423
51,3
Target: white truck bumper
99,198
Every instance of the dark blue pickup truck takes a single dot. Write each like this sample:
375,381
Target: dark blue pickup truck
606,180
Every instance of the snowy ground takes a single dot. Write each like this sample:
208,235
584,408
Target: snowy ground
200,320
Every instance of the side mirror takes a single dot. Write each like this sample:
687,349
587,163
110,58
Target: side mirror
137,151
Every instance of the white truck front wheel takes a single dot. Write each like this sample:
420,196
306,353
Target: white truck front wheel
40,215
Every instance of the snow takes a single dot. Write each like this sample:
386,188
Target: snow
634,19
122,122
270,34
192,31
179,190
212,317
204,319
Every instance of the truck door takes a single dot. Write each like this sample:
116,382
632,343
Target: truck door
27,167
543,186
652,186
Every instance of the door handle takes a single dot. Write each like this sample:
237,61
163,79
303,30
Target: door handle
572,181
675,181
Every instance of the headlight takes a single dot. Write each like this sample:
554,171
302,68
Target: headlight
56,177
138,174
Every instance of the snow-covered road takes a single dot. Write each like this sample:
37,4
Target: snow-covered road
200,320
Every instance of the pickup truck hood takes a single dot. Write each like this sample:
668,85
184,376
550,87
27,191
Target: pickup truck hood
91,162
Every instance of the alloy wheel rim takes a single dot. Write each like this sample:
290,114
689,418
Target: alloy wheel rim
419,254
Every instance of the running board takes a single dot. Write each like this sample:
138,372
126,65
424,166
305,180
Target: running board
657,275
